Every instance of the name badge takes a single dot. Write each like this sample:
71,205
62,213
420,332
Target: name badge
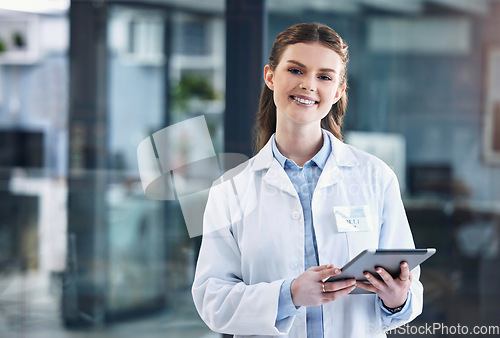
353,218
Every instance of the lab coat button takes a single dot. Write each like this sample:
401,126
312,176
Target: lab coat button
295,215
294,265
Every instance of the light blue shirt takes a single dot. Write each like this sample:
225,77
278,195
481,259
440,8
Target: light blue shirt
304,180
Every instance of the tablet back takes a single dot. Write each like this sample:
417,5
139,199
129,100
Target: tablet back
389,259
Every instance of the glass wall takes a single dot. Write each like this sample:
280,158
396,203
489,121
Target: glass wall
33,156
163,64
136,108
423,96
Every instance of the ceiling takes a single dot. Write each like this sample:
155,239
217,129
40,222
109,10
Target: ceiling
403,7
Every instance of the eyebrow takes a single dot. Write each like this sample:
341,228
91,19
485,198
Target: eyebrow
303,66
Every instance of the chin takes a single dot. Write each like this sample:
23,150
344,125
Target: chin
302,121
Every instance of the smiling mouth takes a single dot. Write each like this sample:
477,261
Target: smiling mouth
303,101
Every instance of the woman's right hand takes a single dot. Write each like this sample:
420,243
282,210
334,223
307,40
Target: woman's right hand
307,289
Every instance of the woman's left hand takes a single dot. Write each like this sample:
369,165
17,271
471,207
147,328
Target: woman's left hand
392,291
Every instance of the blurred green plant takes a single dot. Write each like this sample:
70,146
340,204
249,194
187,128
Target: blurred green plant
3,46
192,87
18,40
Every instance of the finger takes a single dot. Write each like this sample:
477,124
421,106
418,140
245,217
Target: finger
321,267
327,273
335,286
366,286
374,281
386,277
405,272
323,289
329,296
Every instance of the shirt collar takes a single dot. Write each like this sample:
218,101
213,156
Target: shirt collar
320,158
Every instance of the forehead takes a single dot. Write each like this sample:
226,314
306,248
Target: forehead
313,55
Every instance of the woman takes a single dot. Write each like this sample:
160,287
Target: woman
271,231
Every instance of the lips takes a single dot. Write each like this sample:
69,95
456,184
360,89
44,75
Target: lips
304,100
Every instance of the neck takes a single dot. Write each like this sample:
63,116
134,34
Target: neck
299,144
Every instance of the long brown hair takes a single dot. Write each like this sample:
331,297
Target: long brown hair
265,124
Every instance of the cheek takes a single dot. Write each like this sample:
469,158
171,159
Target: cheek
277,98
327,97
280,94
330,94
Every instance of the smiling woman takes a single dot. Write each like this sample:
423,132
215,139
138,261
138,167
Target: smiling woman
263,271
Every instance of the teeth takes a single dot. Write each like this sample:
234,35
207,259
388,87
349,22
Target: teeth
303,100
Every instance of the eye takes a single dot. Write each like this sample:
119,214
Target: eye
294,71
325,77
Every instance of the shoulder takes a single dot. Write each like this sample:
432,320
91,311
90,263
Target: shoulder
347,155
237,175
251,168
238,171
368,166
368,160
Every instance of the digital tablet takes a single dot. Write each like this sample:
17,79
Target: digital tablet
389,259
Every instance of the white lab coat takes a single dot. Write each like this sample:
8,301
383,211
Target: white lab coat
254,240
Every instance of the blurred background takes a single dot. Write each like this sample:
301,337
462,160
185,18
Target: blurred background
83,253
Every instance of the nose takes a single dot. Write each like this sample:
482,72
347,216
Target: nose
308,83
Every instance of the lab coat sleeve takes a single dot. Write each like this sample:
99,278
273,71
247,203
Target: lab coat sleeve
395,233
223,300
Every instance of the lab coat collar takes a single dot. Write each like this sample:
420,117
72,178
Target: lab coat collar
319,159
275,175
341,155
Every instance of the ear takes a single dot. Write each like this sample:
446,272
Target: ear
338,94
269,77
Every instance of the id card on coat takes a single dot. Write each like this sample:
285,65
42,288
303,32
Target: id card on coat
353,218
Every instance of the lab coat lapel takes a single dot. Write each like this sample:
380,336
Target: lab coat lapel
277,177
330,175
274,174
341,156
